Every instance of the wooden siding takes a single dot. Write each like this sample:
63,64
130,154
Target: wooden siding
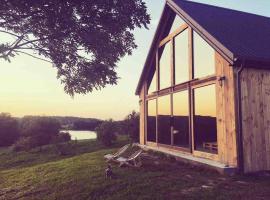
142,114
255,99
226,113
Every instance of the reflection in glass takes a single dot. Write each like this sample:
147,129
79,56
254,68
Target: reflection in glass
165,67
181,58
176,23
181,119
204,57
205,125
164,120
151,120
153,84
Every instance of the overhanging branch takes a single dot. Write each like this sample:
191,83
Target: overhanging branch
28,54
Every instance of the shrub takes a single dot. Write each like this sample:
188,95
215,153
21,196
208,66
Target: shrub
24,144
106,132
62,137
9,131
42,130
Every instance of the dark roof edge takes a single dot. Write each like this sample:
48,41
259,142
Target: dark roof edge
257,63
220,7
220,48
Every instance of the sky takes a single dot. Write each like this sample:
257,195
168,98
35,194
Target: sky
30,87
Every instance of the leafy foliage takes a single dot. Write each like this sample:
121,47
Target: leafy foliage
37,131
131,126
106,132
24,144
86,124
9,131
62,137
83,38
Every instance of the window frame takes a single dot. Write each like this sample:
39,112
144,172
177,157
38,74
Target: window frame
189,85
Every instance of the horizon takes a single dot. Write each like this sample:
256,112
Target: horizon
30,87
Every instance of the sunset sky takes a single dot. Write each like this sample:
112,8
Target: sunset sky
29,86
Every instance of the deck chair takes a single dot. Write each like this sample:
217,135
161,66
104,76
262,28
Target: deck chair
110,157
132,161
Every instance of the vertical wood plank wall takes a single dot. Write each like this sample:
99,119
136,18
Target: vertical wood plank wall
226,113
142,114
255,98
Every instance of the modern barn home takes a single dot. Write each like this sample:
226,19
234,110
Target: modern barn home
205,87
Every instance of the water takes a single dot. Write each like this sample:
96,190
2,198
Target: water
82,135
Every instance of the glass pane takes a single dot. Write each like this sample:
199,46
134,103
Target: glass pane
176,23
205,125
204,58
164,120
151,120
181,119
181,58
153,84
165,67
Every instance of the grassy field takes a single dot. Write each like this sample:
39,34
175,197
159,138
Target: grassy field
80,175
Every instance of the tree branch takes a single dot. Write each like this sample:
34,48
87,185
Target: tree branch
28,54
2,31
15,44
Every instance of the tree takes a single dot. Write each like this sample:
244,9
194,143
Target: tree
9,131
84,39
131,125
39,130
106,132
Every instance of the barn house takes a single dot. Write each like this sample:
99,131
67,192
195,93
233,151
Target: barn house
205,87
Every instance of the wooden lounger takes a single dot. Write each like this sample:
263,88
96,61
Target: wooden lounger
110,157
132,161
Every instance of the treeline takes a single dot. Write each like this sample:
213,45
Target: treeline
75,123
35,131
30,132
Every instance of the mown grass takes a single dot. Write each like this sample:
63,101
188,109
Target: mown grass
46,175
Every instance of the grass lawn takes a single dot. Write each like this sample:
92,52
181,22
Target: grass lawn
46,175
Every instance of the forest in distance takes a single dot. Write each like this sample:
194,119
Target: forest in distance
71,123
33,131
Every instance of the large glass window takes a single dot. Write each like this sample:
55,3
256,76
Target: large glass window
204,57
181,119
165,66
168,119
164,120
153,84
151,120
176,23
205,126
181,58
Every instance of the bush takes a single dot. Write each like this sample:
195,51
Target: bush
62,137
41,130
106,132
24,144
9,131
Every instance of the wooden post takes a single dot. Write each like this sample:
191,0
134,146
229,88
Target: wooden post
191,95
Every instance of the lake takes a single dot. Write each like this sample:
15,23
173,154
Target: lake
82,135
